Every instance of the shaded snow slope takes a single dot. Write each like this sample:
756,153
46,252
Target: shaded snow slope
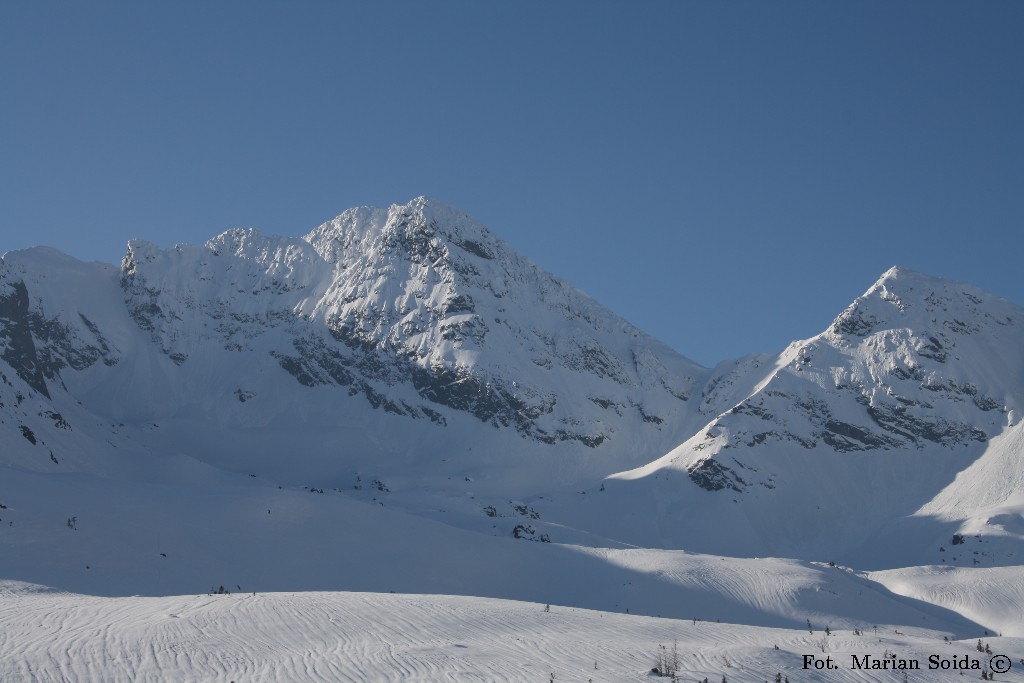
183,528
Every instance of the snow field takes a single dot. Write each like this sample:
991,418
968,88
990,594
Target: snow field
993,596
52,636
150,538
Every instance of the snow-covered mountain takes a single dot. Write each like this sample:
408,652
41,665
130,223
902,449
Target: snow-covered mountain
400,384
906,409
416,312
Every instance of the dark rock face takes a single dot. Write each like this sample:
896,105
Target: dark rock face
460,390
475,248
61,346
37,348
844,437
19,349
28,434
711,475
899,421
855,323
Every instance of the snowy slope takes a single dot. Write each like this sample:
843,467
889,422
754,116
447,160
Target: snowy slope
182,527
383,637
991,595
900,413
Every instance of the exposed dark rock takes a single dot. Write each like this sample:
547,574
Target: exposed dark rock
594,360
379,400
933,349
461,303
844,437
897,419
854,323
434,416
461,390
748,408
333,364
59,346
589,440
58,420
475,248
144,315
523,531
297,368
987,403
525,510
28,434
19,351
960,327
474,329
908,373
711,475
603,402
762,437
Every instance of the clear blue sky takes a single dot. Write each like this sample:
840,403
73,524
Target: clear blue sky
726,175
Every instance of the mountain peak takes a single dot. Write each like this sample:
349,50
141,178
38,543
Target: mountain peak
415,225
895,274
904,298
418,308
907,280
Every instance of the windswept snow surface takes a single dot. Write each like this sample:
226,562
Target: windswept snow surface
383,637
992,595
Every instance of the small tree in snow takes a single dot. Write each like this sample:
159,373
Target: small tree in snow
666,663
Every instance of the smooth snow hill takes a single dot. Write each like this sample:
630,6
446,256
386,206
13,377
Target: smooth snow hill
381,637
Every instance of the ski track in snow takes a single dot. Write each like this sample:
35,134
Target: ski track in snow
51,636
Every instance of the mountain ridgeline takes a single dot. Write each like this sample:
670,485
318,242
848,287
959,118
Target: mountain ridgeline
412,344
419,311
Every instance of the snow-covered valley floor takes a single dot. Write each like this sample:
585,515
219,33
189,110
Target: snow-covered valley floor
144,536
315,636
